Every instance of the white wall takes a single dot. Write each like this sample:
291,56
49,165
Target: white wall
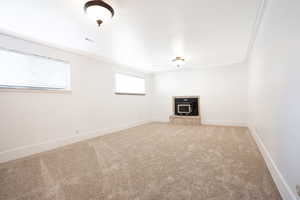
32,121
275,92
222,90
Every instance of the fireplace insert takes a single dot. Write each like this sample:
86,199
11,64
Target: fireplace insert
186,106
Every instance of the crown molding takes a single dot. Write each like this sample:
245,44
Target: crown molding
256,27
25,38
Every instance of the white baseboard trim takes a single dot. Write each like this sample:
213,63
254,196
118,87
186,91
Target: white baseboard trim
224,123
284,189
24,151
212,122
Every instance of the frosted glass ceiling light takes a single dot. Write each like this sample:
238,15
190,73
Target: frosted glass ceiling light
99,11
178,61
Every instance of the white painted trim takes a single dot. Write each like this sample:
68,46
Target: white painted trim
256,27
24,151
284,189
212,122
22,37
224,123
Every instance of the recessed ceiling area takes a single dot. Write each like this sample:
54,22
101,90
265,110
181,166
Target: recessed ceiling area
143,34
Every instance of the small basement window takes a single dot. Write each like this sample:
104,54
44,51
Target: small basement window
129,85
26,71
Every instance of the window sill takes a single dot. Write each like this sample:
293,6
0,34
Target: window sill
33,89
131,94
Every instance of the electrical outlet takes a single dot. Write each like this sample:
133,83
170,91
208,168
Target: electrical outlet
298,190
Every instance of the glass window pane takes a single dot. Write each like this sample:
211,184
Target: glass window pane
130,84
18,70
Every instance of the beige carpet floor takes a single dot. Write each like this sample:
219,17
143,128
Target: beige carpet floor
151,162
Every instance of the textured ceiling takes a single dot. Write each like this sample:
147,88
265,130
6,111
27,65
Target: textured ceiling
144,34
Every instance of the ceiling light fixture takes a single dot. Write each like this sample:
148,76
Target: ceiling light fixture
99,11
178,61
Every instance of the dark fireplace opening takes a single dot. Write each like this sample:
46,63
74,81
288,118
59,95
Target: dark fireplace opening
186,106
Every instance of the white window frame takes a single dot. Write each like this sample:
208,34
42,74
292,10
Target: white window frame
69,88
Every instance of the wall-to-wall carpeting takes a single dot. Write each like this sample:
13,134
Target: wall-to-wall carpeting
153,161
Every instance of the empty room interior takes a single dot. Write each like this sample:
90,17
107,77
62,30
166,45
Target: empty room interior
150,100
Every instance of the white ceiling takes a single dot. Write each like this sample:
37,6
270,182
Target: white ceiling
144,34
